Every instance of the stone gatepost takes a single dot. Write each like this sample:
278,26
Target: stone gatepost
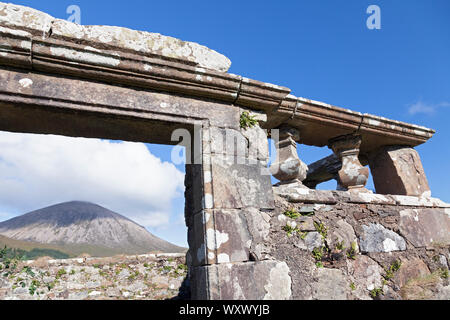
352,176
398,170
228,219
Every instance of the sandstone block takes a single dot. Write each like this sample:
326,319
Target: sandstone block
423,227
398,170
262,280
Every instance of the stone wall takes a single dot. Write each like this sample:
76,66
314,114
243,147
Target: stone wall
344,245
151,276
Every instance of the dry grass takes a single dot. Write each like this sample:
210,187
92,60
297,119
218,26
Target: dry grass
420,288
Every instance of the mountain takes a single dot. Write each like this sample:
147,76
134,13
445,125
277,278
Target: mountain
82,227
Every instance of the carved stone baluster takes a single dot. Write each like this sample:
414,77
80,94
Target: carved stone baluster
352,176
289,169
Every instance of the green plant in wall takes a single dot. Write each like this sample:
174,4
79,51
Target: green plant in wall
291,229
393,268
443,273
376,292
247,121
340,246
319,253
321,229
292,213
351,252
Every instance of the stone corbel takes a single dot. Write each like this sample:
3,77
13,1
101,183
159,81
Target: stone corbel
288,168
352,176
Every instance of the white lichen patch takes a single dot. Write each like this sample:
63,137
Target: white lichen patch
208,201
206,217
215,238
278,286
85,56
223,258
390,245
25,82
207,177
370,197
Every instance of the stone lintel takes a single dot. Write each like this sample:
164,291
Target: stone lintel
152,61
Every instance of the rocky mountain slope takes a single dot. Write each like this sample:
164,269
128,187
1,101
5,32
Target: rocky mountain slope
81,227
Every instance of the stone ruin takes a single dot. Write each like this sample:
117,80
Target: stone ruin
247,238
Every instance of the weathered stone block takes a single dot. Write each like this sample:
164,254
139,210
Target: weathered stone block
144,42
228,142
366,273
262,280
341,233
240,185
331,285
227,235
398,170
376,238
25,18
423,227
410,269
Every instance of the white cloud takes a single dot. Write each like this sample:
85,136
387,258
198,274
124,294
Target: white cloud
426,108
41,170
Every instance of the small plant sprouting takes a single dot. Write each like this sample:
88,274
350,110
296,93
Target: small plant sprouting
376,292
247,121
303,235
351,253
320,228
319,264
352,286
291,229
443,273
319,252
34,285
292,213
60,273
394,267
340,245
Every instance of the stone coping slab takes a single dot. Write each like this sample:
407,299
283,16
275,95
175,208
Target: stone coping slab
305,195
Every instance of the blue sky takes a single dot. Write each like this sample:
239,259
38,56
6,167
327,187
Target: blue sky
320,49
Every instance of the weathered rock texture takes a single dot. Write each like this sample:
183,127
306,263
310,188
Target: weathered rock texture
151,276
360,238
398,170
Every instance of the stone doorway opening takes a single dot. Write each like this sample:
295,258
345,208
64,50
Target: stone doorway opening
74,183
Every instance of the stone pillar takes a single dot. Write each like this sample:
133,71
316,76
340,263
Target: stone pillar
398,170
227,233
352,176
289,169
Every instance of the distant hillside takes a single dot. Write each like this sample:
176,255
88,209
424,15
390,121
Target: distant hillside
32,250
81,227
